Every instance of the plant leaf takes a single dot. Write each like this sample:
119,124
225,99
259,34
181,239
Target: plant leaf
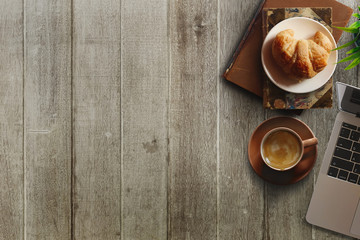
353,50
351,57
353,64
348,29
347,44
355,24
356,15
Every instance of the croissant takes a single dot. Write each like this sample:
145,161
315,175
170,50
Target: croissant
301,58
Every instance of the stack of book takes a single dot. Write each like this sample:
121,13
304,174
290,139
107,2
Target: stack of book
246,70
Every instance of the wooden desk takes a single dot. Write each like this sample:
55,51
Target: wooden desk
116,124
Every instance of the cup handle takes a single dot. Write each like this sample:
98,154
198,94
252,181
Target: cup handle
310,142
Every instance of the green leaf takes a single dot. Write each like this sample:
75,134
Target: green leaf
351,57
356,15
347,44
353,64
348,29
355,24
353,50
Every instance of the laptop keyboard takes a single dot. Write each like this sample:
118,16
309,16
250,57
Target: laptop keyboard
345,163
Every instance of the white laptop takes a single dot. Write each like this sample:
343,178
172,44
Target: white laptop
335,203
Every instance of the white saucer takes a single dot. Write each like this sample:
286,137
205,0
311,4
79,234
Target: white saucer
304,28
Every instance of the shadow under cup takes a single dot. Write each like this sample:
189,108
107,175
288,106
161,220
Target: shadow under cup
282,148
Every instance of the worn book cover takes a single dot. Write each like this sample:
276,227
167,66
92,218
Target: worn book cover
276,98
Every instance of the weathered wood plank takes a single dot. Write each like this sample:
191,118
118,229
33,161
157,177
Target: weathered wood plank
144,98
47,116
241,204
11,120
294,200
193,120
96,116
323,121
286,206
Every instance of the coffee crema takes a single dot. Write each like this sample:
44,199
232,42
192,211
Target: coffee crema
281,149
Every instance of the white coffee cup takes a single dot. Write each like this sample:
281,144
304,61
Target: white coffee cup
282,148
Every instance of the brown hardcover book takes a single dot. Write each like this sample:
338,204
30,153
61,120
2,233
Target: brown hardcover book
274,97
245,68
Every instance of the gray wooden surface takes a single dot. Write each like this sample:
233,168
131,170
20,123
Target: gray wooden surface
116,124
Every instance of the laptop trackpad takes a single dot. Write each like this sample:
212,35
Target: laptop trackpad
355,227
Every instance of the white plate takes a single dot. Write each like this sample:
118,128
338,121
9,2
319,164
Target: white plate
304,28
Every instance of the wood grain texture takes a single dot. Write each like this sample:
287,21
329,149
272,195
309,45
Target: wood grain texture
144,98
47,99
240,190
287,205
193,120
323,121
96,116
294,200
116,124
11,120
